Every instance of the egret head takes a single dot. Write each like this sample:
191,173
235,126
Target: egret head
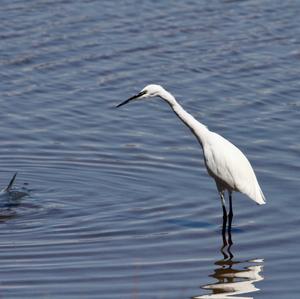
151,90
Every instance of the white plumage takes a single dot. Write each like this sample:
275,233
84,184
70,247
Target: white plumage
224,161
230,168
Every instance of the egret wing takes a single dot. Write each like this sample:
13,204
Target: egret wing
226,163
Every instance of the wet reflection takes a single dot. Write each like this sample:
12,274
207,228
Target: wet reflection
227,242
233,277
8,204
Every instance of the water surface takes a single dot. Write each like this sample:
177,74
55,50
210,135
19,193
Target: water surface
119,203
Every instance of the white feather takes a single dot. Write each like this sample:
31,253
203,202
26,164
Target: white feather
230,168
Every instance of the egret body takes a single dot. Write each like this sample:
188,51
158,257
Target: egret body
224,162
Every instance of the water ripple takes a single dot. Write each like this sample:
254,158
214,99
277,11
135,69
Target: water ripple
118,202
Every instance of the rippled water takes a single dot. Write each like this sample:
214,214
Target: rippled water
118,202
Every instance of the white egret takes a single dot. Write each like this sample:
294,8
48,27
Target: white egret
228,166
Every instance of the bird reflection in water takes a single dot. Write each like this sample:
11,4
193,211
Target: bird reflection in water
233,277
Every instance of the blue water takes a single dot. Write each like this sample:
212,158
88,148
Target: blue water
118,203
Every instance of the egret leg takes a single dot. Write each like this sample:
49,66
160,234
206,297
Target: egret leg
224,212
224,226
230,243
230,217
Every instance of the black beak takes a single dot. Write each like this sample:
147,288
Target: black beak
132,98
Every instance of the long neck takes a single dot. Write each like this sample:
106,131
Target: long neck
198,129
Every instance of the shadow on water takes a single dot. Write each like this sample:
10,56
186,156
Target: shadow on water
9,203
233,277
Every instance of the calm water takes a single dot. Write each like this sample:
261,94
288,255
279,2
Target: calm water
118,202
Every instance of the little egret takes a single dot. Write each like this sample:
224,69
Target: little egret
228,166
